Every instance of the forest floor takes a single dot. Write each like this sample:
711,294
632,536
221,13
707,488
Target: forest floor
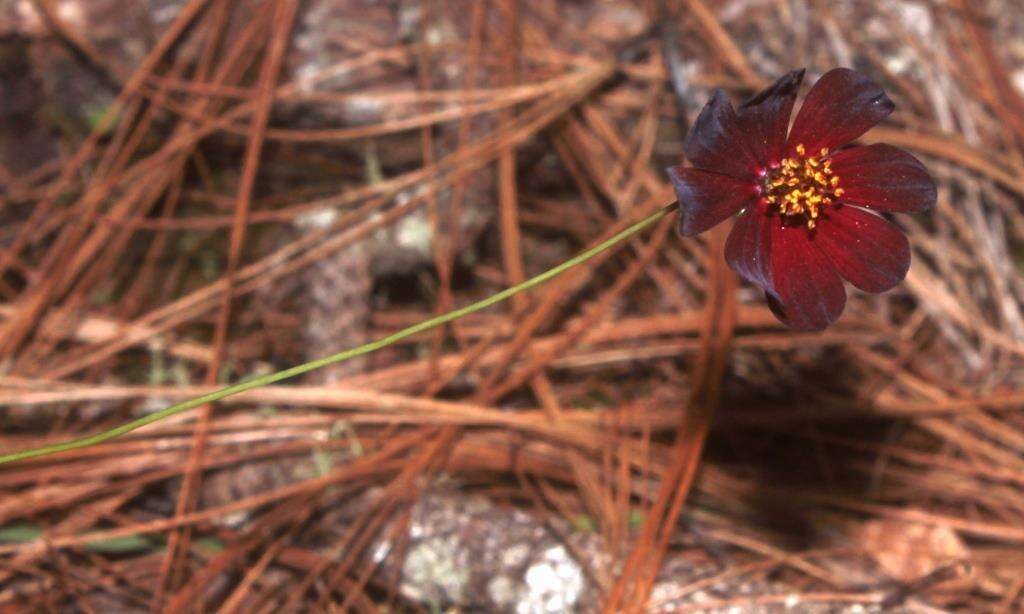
193,192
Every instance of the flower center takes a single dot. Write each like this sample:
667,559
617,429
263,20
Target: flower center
802,185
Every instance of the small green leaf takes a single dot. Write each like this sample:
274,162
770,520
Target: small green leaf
19,533
95,115
211,545
122,545
584,524
636,518
323,463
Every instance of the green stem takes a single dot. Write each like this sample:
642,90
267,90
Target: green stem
265,380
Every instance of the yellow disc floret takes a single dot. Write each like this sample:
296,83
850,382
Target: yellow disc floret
803,185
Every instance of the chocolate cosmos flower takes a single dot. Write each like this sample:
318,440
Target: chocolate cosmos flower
807,204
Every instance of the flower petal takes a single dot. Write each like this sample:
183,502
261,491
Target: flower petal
884,178
706,199
718,143
841,106
748,249
868,251
765,117
809,293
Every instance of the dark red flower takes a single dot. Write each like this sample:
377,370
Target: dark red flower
807,204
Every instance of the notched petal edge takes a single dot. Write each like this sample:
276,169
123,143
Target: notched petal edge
785,86
884,178
707,199
841,106
765,117
870,252
717,142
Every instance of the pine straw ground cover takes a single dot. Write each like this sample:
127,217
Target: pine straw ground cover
275,181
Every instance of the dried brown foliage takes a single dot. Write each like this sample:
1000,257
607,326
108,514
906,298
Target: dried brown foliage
276,179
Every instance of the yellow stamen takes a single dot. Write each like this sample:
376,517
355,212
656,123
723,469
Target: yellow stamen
803,185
